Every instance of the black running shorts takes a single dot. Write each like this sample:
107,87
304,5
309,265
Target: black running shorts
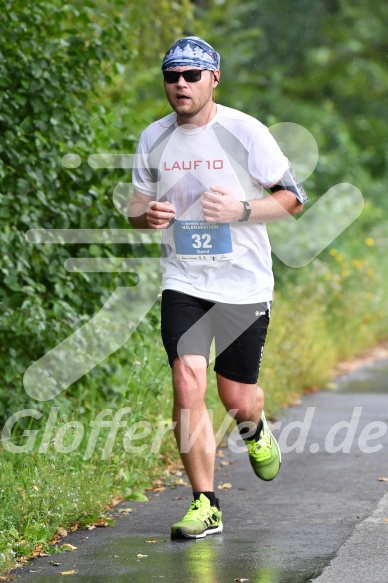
189,325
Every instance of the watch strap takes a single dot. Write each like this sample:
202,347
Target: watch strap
247,211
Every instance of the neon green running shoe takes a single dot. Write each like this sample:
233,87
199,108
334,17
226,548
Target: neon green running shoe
264,454
202,519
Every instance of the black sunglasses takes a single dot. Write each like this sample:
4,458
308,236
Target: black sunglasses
191,75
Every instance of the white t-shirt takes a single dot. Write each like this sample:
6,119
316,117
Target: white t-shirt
222,262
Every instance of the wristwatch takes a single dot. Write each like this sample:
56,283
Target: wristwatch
247,211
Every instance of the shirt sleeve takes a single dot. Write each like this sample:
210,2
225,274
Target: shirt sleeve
143,177
266,161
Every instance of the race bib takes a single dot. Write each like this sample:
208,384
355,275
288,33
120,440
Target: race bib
202,241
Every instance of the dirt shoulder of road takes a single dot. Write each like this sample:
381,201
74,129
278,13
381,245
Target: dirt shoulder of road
365,358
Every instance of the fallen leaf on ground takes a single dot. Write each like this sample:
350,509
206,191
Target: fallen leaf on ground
382,479
384,520
157,486
101,522
220,453
156,489
98,524
72,572
180,482
54,540
37,551
7,578
54,563
68,547
225,486
140,556
229,463
115,502
125,510
61,531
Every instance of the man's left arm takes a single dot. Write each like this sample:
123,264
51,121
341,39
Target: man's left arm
277,205
220,206
265,162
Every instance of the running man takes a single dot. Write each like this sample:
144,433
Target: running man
199,176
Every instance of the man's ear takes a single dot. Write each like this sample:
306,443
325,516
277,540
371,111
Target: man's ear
216,77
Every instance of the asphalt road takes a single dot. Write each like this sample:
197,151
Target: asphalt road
324,518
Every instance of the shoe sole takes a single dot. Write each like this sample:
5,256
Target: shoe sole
178,534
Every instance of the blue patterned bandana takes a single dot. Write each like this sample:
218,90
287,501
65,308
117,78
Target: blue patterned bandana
193,51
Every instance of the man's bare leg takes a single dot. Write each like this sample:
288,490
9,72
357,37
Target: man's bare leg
264,452
248,399
191,416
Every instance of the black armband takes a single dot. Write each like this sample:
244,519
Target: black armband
290,182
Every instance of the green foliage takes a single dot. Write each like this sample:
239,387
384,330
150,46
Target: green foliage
69,73
136,96
322,65
38,497
51,57
61,68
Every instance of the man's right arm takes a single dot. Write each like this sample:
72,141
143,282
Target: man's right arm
144,212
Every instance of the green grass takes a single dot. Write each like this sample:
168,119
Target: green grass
42,491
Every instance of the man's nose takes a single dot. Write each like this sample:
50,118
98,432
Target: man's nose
181,80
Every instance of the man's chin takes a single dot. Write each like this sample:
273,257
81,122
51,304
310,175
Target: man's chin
184,111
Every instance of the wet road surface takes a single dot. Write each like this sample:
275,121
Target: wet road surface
326,497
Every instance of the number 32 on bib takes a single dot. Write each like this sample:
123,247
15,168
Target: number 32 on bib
202,241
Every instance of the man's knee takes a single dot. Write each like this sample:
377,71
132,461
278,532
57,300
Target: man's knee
248,399
189,380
